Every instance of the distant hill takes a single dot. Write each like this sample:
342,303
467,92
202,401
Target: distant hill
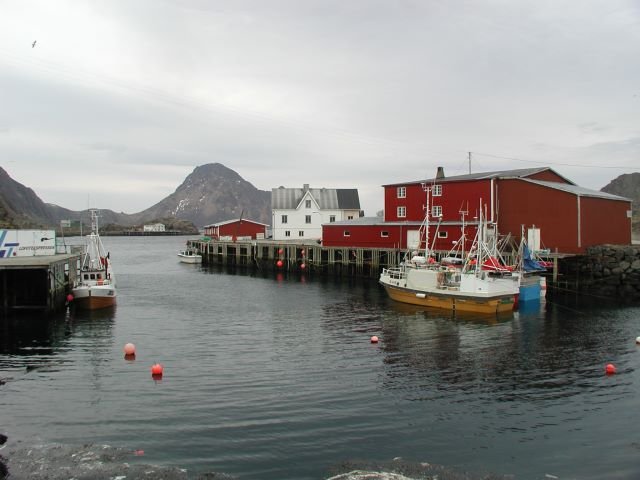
213,193
210,194
628,185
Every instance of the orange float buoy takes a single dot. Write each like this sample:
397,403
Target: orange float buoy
129,349
279,263
280,252
610,369
156,369
374,339
303,266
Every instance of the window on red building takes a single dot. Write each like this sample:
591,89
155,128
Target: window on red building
437,190
402,212
401,192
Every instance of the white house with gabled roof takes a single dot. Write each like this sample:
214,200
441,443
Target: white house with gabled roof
298,213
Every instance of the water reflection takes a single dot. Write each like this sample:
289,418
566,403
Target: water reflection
33,341
536,354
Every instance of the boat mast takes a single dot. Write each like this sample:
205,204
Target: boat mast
425,223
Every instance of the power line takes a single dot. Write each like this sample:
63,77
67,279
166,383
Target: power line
551,163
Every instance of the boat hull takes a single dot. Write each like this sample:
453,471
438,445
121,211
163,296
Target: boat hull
190,259
498,304
94,298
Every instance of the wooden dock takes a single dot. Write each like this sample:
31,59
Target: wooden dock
310,256
294,256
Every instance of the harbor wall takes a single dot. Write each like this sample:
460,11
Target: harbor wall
605,271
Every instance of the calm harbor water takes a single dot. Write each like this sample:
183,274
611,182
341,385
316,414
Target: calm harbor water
274,377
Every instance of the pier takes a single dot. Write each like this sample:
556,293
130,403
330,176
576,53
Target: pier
297,256
37,283
312,257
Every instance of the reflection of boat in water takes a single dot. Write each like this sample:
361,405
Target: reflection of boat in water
471,288
190,256
96,287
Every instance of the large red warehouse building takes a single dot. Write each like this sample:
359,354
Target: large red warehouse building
564,216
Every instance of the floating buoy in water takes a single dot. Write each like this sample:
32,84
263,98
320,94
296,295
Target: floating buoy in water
374,339
610,369
303,266
280,252
129,349
638,340
69,298
279,263
156,370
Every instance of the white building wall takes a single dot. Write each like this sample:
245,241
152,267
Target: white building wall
296,222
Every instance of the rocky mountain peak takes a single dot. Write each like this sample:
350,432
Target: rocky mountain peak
214,193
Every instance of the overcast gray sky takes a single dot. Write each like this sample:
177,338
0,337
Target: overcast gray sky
120,100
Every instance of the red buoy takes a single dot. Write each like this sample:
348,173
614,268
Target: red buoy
129,349
280,252
374,339
156,369
279,263
303,266
610,369
69,298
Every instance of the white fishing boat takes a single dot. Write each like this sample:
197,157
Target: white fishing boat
96,287
190,256
471,288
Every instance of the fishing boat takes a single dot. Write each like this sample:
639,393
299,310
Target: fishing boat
96,287
190,256
472,288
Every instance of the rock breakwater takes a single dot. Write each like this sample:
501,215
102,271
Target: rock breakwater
606,270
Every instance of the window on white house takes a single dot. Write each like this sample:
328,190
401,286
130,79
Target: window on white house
384,234
332,218
284,219
350,217
436,210
287,233
301,233
437,190
443,234
307,204
401,192
347,233
307,219
402,212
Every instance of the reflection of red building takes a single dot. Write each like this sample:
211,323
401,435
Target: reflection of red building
568,218
238,228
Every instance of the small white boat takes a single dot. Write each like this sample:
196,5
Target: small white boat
190,256
96,287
